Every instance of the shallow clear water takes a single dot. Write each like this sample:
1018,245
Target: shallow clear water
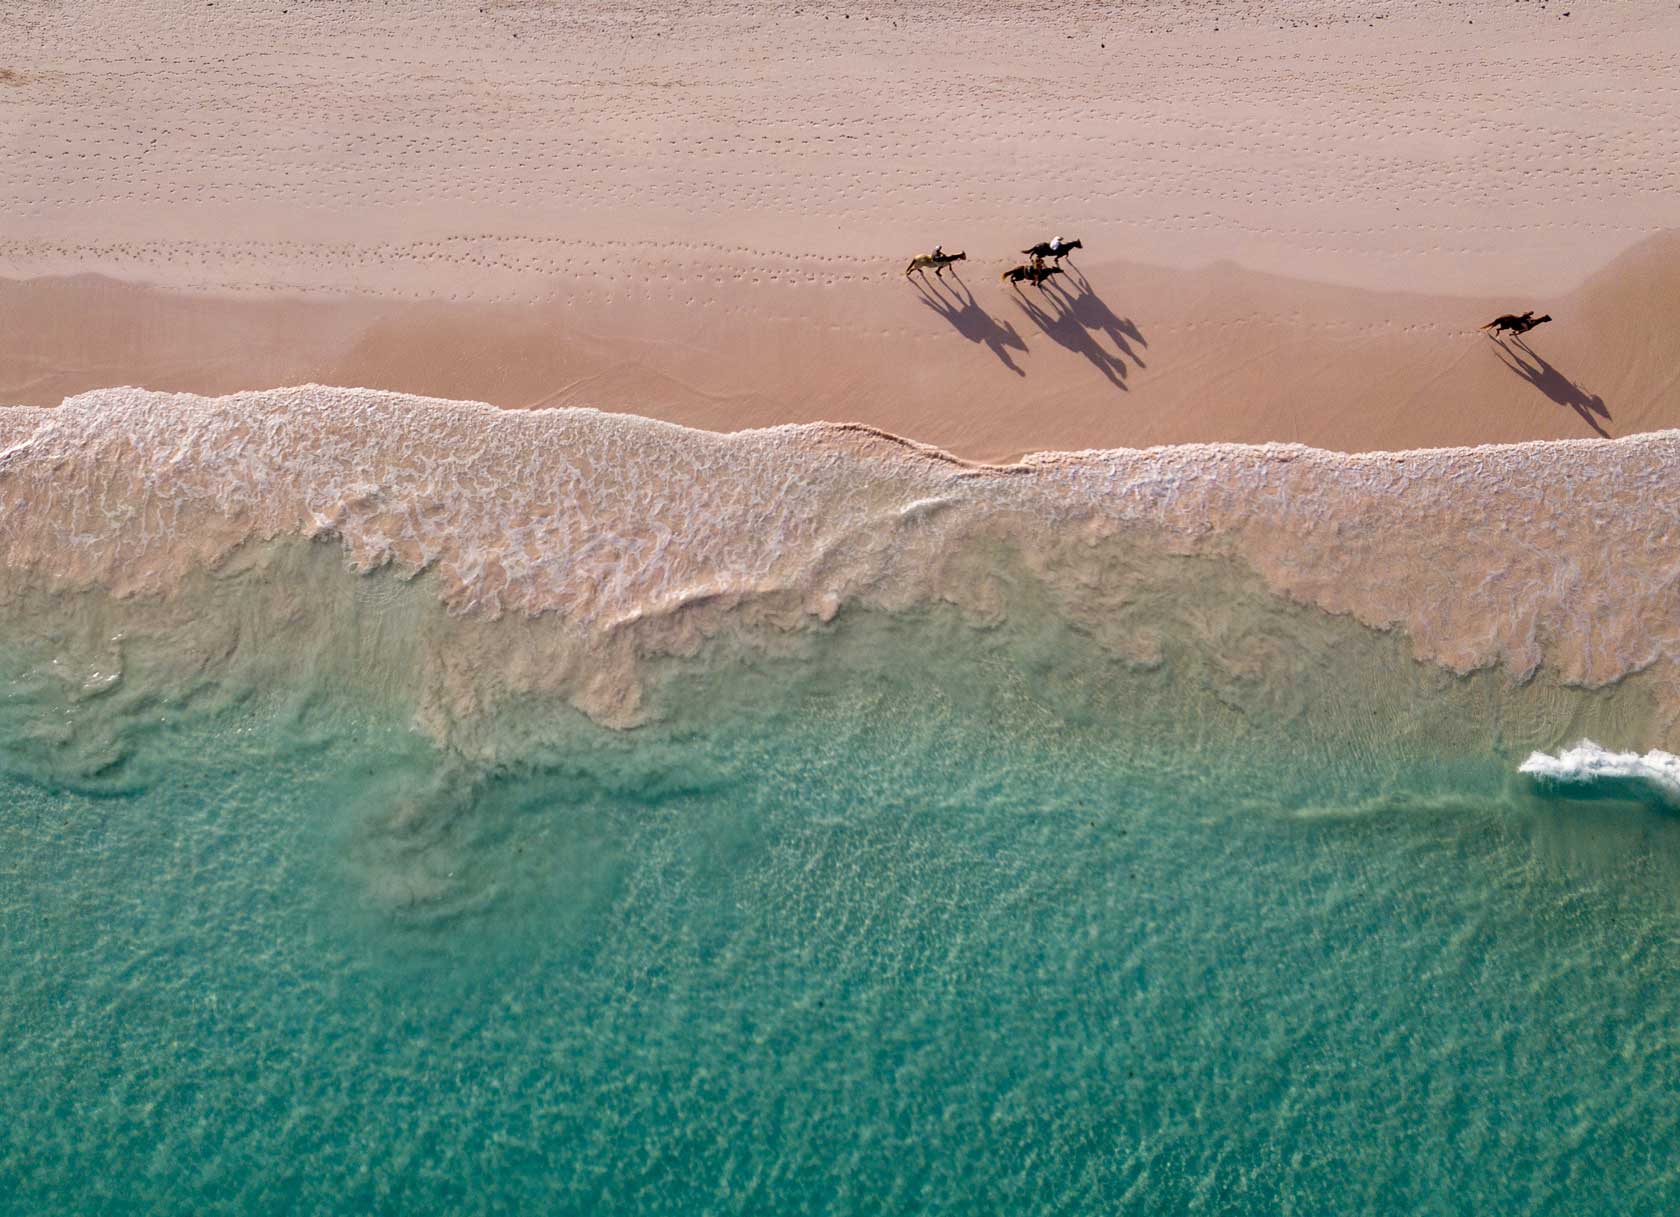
923,919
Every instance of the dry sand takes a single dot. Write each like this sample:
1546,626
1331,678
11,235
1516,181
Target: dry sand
1295,214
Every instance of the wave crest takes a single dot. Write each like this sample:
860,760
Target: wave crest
1596,769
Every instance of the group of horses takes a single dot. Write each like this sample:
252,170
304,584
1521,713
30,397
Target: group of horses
1034,272
1038,274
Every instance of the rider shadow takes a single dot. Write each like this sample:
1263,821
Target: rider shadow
973,322
1069,321
1093,314
1553,383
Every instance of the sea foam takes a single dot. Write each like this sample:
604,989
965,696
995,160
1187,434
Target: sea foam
628,538
1587,764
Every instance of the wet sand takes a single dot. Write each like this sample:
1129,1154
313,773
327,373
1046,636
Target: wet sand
1112,355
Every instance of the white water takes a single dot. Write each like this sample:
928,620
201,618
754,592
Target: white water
1586,763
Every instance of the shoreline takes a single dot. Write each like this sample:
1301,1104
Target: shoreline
1119,356
19,419
634,538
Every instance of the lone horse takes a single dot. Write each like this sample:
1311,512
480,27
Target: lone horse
1036,274
1054,249
1516,324
936,260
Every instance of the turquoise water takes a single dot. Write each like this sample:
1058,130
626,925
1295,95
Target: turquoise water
922,919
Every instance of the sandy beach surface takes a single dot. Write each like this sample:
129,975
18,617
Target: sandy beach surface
1295,215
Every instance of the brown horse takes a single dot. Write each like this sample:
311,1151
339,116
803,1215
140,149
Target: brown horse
936,260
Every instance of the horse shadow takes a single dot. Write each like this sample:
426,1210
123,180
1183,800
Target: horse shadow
1093,314
1527,363
1074,319
974,323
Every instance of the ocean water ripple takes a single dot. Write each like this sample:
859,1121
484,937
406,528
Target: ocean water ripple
408,807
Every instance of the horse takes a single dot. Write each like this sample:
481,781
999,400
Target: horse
1516,324
1044,250
938,261
1035,275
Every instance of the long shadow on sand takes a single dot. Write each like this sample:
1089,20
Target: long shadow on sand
1075,318
1093,314
1522,359
970,320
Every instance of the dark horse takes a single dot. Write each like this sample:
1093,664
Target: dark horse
1054,249
1035,274
1516,324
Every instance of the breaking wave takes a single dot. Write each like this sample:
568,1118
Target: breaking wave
1589,770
